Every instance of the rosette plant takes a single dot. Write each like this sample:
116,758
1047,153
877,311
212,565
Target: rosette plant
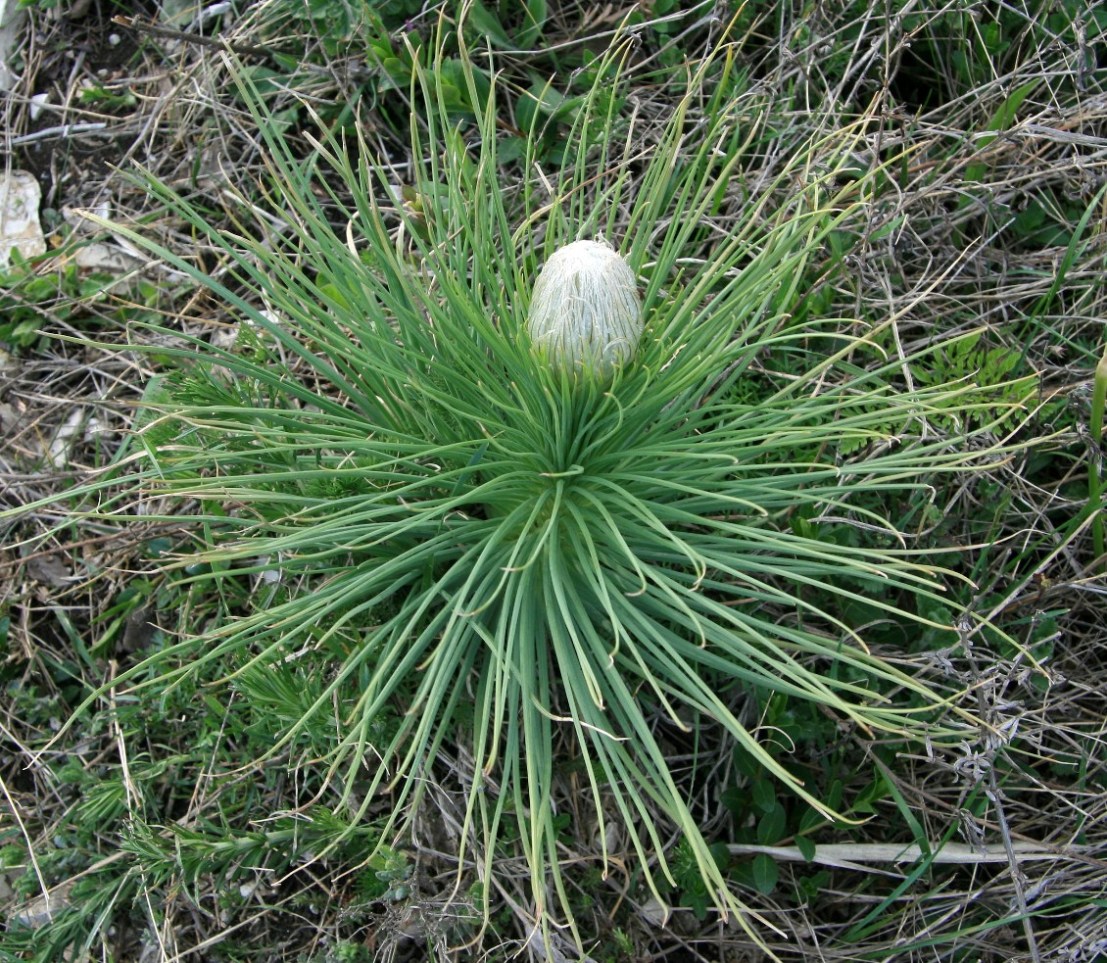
481,555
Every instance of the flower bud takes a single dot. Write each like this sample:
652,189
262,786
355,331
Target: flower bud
585,312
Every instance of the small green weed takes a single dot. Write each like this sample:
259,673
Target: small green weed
52,292
107,98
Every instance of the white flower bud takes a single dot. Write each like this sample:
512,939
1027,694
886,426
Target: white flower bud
585,311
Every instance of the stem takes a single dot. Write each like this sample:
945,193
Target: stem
1095,478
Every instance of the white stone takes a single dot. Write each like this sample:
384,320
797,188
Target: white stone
20,229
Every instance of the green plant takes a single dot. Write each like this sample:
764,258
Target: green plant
478,541
47,291
969,48
930,56
105,98
1095,470
386,41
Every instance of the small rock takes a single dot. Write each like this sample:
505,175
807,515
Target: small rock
654,912
38,912
20,229
60,447
38,105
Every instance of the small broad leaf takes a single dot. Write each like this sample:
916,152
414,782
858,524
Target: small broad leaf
764,795
489,26
535,13
766,873
771,826
806,848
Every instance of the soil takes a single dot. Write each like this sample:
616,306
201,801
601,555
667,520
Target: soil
67,59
